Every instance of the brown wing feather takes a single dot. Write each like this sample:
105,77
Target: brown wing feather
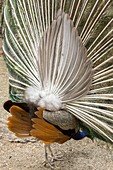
22,125
20,122
45,131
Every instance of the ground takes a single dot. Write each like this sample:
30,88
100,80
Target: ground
21,154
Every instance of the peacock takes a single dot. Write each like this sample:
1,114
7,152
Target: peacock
59,55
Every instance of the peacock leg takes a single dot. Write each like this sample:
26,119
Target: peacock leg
47,162
54,157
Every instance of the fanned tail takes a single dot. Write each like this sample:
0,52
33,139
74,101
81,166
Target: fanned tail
65,50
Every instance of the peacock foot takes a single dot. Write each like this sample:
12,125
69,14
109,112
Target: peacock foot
48,164
58,157
50,159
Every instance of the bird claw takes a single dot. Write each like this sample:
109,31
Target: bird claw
50,159
48,164
56,158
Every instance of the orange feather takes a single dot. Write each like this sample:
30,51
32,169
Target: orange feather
23,126
45,131
20,122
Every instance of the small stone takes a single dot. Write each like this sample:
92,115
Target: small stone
10,157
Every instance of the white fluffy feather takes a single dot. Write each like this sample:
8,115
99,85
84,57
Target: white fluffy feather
43,98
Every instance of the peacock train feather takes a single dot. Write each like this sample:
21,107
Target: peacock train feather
59,55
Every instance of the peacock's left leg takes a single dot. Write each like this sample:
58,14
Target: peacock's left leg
52,157
47,162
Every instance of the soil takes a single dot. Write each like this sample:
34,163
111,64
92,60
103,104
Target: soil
28,154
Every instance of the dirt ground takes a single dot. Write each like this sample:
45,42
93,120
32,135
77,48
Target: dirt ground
21,154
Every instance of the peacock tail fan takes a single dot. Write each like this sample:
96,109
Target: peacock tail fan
61,53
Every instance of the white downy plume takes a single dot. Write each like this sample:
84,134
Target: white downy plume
43,98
